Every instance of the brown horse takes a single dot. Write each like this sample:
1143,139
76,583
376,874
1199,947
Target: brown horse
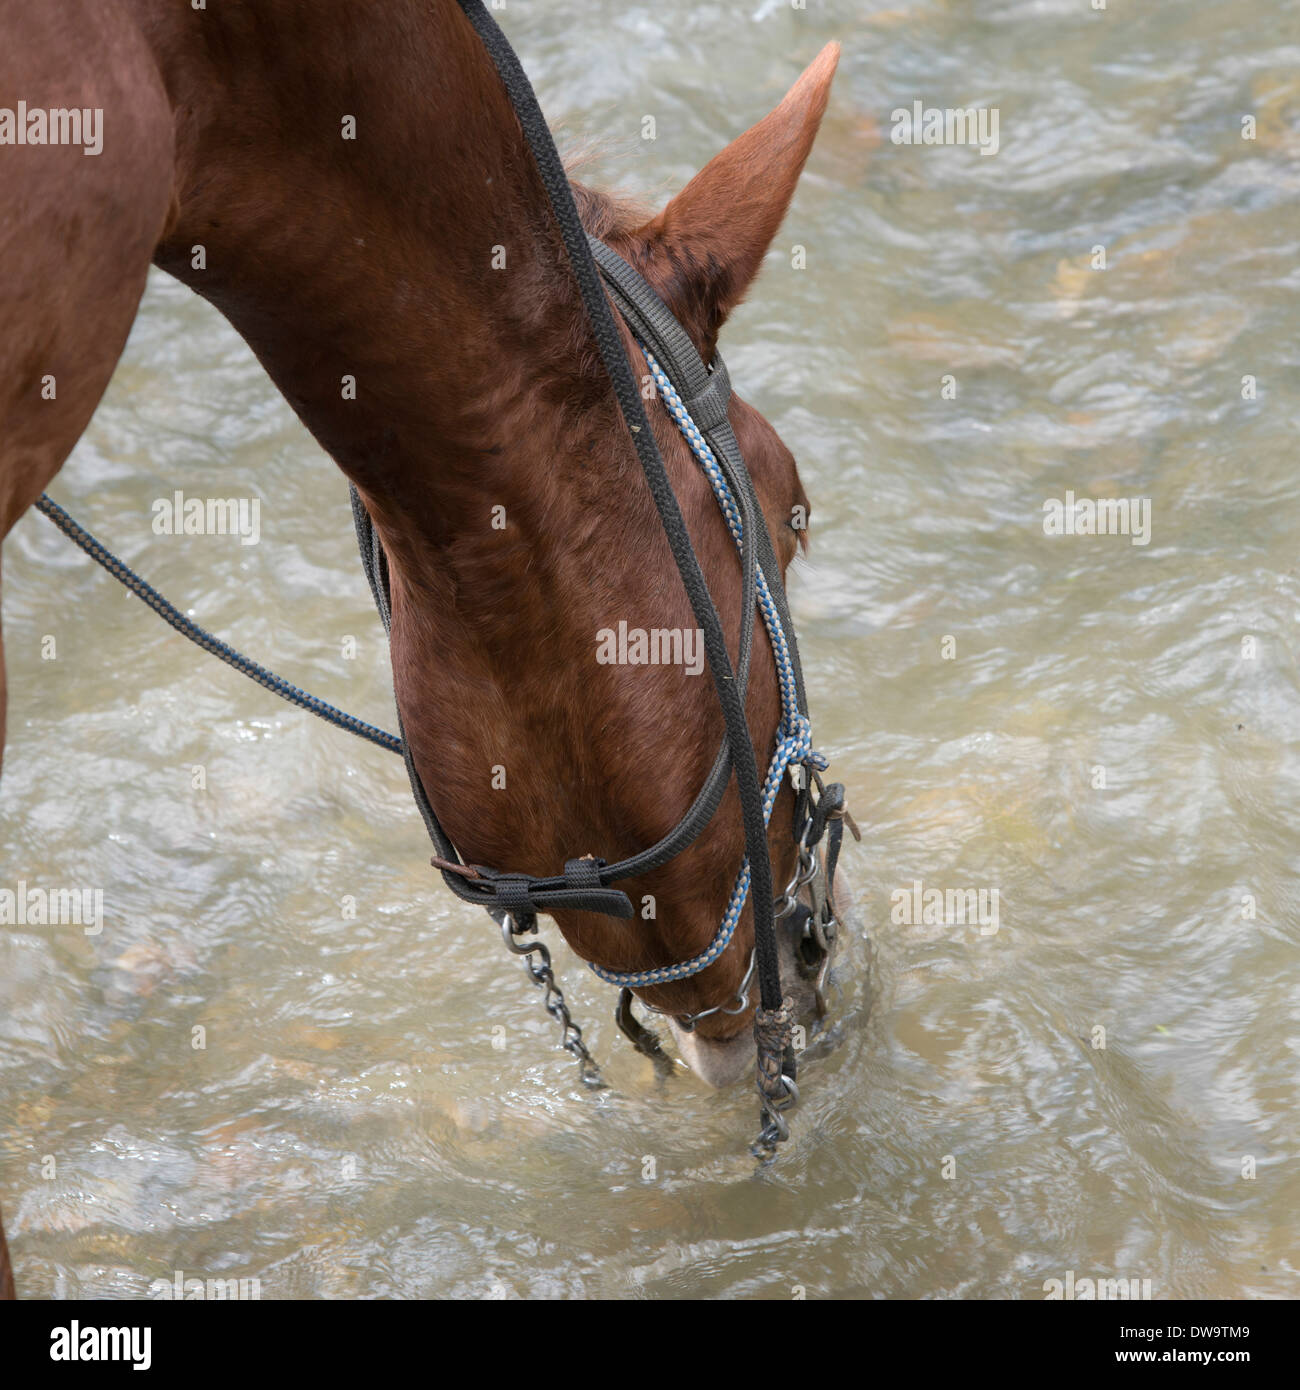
351,188
6,1270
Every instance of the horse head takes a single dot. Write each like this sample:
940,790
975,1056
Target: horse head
599,748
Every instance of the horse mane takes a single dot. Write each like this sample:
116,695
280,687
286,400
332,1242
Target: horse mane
603,214
608,214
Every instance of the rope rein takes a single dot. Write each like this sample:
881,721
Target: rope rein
173,616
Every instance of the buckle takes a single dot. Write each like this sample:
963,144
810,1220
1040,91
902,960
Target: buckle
579,890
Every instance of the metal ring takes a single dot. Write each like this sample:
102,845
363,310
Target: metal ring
776,1120
773,1109
687,1022
510,929
778,1123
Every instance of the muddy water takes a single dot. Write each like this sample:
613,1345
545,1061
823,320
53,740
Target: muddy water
1106,1083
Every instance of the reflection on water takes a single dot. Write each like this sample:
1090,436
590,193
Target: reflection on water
1077,721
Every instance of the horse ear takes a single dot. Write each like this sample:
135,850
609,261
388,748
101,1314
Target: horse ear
709,242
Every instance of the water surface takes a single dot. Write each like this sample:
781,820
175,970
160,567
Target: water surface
380,1109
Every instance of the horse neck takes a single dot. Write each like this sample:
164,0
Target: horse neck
421,261
369,220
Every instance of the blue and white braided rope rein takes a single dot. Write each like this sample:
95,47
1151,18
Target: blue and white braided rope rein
793,735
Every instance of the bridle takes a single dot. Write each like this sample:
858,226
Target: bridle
696,397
